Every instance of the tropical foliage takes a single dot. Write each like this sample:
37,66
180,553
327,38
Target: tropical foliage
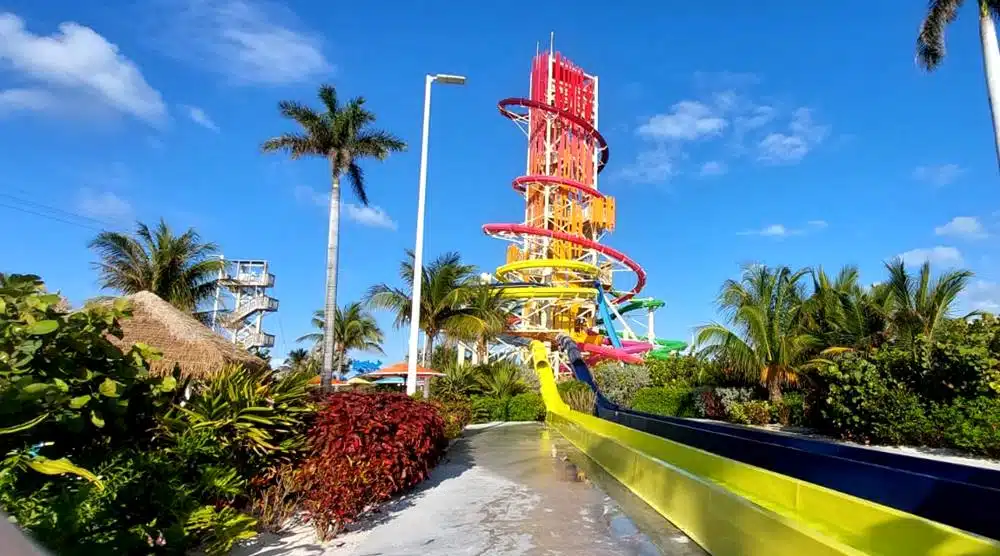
100,456
365,449
451,301
765,339
178,268
353,329
341,134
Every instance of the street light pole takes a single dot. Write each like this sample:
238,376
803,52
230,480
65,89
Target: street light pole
418,250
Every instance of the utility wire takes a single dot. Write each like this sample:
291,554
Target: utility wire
60,216
50,217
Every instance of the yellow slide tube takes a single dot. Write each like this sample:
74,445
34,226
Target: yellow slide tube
562,264
731,508
548,292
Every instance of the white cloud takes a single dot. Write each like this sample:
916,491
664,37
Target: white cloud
712,168
656,165
199,117
13,100
967,227
371,216
75,62
786,148
686,120
941,174
780,230
983,296
250,41
104,206
726,124
306,194
935,255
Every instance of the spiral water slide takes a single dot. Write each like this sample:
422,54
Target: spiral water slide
556,267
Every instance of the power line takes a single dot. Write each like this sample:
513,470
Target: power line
50,217
55,209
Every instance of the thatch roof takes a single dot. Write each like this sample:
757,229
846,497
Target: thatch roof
180,337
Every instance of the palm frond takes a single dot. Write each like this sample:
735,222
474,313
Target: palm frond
930,39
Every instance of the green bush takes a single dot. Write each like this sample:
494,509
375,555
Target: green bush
737,413
730,397
758,412
677,400
790,410
487,408
619,382
681,369
567,386
161,477
867,405
970,425
457,413
526,407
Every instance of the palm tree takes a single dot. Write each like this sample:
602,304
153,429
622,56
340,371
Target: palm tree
353,328
341,135
841,313
179,269
501,379
446,286
931,48
766,341
297,358
919,305
492,314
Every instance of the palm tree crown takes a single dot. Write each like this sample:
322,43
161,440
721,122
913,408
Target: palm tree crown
446,286
919,304
340,134
766,341
353,329
179,269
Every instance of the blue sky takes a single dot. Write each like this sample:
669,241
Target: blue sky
785,133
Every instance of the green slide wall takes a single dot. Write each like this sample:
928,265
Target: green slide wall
731,508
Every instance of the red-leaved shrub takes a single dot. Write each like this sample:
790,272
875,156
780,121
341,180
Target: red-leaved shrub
364,449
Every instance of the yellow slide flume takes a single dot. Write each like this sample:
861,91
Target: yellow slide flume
732,508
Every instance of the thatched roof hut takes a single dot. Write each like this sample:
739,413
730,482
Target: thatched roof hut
183,340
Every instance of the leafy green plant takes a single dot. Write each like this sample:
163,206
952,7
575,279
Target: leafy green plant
66,392
456,414
737,413
681,369
459,381
488,408
758,412
729,397
790,410
220,528
526,407
619,382
580,400
500,379
257,419
676,400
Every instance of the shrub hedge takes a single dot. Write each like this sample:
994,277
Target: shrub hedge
365,448
526,407
675,401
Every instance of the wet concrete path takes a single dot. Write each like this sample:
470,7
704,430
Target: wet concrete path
516,489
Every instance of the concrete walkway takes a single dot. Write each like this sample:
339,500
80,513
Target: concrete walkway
517,489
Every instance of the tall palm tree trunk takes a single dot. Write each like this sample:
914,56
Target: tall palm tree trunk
991,65
330,306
